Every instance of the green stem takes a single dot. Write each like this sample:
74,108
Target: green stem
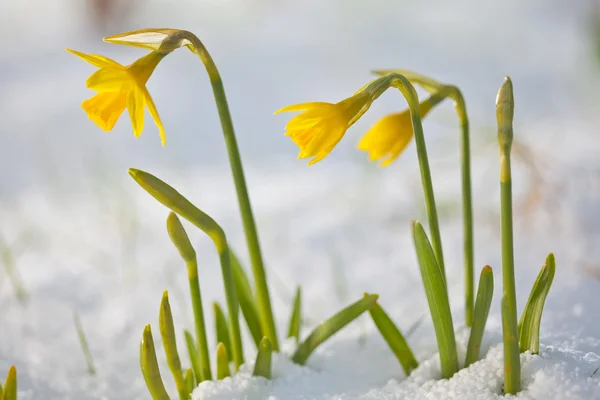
440,92
508,267
467,210
172,199
504,115
182,242
258,270
232,308
203,355
410,94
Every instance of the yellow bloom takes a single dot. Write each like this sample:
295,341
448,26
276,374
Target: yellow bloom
119,87
390,135
321,126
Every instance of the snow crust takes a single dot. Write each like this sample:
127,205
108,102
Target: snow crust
557,373
311,220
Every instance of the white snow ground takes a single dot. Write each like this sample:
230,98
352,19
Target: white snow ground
307,217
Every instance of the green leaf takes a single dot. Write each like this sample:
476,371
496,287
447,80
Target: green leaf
485,292
330,327
512,362
262,367
172,199
167,333
1,391
10,385
296,316
190,383
221,329
246,299
149,366
222,362
180,238
394,339
84,344
437,297
529,324
193,354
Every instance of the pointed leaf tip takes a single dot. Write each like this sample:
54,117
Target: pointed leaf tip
262,366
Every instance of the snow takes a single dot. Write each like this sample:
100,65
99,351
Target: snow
556,374
318,211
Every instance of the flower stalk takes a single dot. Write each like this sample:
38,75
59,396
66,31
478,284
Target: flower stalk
181,241
173,200
504,116
322,125
437,89
165,41
235,161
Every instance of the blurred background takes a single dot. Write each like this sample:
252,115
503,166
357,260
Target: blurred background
76,233
274,53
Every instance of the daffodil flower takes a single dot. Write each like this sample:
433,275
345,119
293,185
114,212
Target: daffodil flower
119,87
388,138
162,42
321,126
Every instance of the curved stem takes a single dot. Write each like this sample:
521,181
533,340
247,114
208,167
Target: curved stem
258,270
410,94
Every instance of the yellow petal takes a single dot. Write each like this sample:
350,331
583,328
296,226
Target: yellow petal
155,116
305,120
388,137
302,106
317,158
135,105
327,140
97,60
105,108
110,80
144,66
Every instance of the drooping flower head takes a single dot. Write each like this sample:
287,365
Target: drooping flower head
320,127
388,138
119,87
